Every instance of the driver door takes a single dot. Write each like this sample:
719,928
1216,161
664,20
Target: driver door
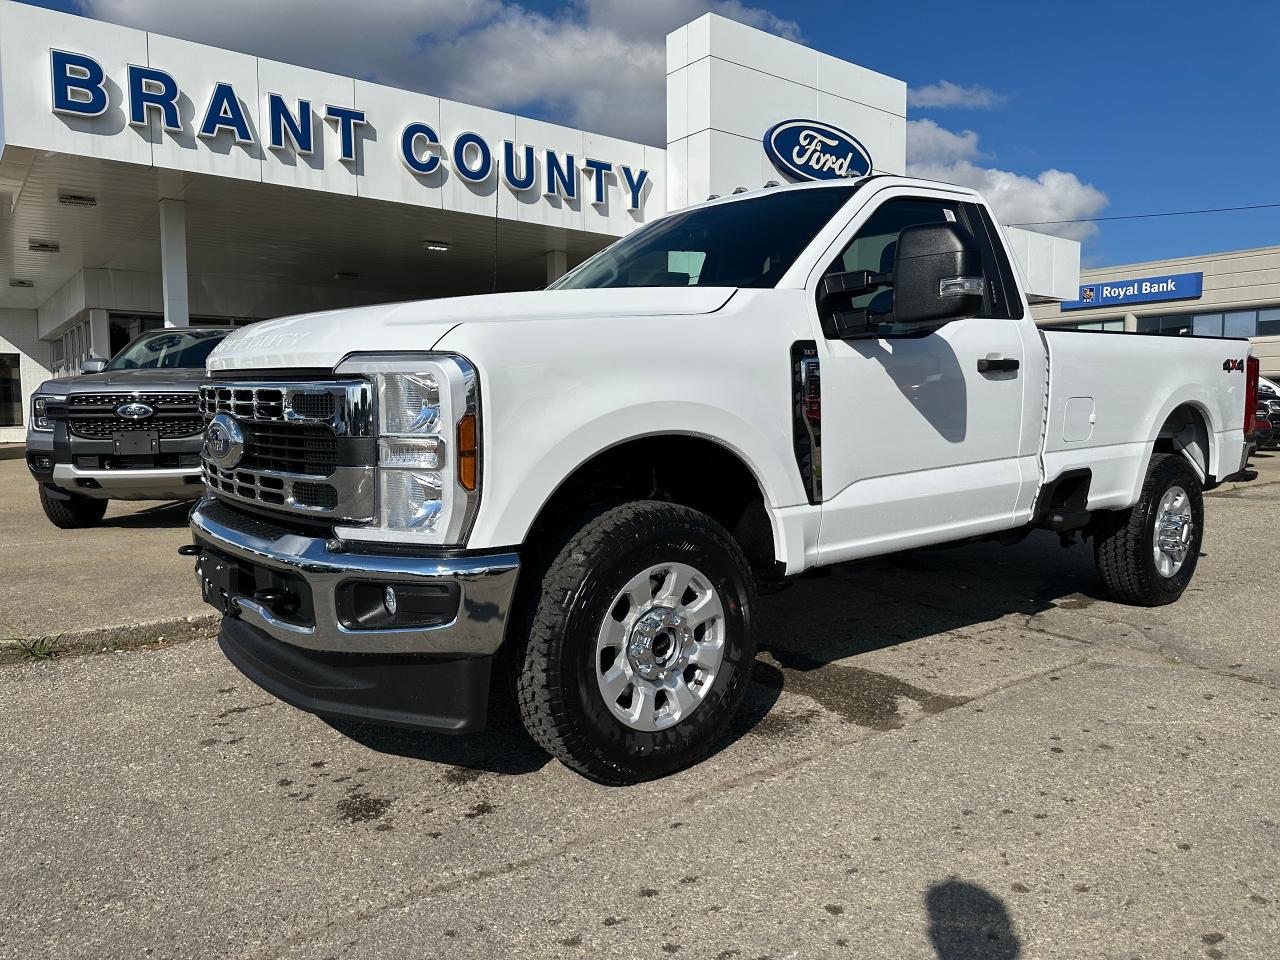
918,445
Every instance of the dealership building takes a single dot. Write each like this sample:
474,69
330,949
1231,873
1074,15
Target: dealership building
1235,294
149,181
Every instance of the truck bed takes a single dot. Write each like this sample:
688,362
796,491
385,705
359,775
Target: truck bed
1110,394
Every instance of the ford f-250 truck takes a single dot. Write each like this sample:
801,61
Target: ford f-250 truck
125,429
591,478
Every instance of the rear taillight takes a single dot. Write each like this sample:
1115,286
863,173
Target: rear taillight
1251,373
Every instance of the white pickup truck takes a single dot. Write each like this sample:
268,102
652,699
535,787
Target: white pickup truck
590,479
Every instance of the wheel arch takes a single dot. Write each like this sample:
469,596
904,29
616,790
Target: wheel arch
725,486
1186,430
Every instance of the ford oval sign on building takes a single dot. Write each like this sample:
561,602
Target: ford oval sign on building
809,150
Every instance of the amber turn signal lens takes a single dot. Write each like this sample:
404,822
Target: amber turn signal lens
467,458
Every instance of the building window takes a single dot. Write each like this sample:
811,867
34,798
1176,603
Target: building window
1242,323
1237,324
1268,323
1091,325
10,390
1206,325
1178,325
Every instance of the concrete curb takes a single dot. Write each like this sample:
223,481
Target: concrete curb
128,637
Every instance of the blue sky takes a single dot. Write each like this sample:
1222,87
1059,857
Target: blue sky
1158,107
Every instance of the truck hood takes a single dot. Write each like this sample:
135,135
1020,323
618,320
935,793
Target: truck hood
321,340
127,381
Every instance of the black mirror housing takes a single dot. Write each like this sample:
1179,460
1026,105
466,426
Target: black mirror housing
937,275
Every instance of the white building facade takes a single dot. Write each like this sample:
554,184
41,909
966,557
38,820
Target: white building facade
148,181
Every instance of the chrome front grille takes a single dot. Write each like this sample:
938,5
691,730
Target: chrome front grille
309,446
310,449
92,416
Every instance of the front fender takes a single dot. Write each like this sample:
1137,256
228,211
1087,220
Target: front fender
556,393
515,491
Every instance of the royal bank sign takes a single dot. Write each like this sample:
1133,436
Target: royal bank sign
221,116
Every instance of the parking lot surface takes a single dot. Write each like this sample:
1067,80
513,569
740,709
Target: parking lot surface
124,573
960,753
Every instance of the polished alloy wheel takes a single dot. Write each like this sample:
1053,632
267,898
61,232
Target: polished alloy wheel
1174,531
660,646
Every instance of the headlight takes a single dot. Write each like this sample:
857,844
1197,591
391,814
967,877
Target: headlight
428,446
44,409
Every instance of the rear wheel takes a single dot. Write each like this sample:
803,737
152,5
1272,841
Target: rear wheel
1148,553
74,513
639,648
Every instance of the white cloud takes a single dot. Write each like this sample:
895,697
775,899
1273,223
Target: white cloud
936,153
595,64
931,144
944,93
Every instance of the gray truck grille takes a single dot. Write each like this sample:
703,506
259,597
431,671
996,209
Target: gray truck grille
92,416
308,446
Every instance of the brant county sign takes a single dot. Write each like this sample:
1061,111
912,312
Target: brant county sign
809,150
82,90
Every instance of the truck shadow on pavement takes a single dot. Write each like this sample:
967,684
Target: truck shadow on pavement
968,922
152,518
806,631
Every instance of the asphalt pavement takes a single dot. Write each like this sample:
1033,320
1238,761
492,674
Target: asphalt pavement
121,581
962,753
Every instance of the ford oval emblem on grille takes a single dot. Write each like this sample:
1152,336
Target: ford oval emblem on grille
134,411
224,441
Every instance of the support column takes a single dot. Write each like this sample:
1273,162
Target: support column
173,262
99,334
1130,323
557,265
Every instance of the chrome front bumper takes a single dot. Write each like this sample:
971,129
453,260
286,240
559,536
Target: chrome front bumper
486,586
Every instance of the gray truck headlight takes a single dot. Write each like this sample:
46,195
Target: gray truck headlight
42,410
428,446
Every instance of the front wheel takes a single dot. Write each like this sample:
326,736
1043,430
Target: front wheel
639,648
1148,553
73,513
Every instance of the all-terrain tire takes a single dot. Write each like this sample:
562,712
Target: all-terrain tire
1124,540
73,514
566,599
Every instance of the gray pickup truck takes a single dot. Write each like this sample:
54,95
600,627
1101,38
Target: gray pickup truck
125,429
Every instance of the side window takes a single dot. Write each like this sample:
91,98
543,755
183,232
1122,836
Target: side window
874,246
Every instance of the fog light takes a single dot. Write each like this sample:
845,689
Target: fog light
389,600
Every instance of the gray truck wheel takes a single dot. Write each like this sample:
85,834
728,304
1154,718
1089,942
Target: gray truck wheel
72,514
1148,553
638,649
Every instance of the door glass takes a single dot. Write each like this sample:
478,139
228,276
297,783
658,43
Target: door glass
874,246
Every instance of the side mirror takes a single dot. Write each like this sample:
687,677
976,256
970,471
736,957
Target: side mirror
93,365
937,276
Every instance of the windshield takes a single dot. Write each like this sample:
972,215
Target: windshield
168,349
745,243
